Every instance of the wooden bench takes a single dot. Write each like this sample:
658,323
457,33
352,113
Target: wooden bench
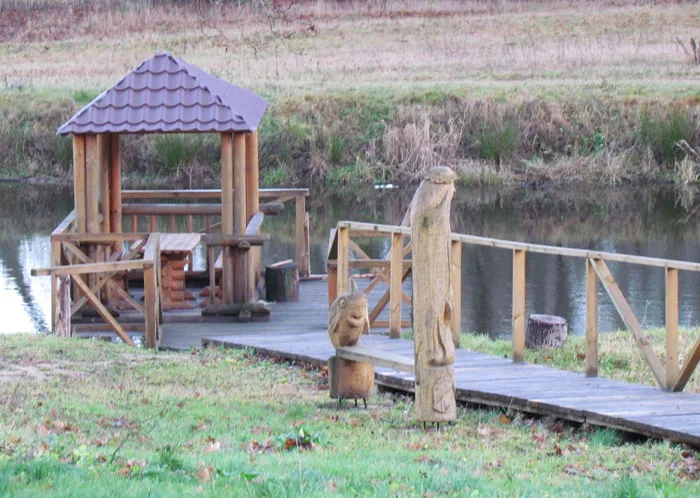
351,370
379,358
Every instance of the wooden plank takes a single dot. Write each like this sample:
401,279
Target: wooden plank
234,240
104,193
456,286
150,288
103,312
343,269
591,320
227,215
299,240
380,358
115,183
671,328
91,268
267,193
369,229
251,175
396,273
79,172
518,306
689,365
92,184
629,318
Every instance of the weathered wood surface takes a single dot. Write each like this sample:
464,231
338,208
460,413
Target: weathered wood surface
432,296
546,331
299,332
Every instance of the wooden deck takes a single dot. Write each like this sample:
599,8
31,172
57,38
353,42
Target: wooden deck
298,331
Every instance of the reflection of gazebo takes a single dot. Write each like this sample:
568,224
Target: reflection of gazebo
163,95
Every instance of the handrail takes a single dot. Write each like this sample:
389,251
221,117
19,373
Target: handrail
206,193
669,376
536,248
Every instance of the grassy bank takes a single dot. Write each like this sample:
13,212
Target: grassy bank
86,418
374,136
508,91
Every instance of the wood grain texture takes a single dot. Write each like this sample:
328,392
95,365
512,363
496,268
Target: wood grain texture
518,306
432,300
591,320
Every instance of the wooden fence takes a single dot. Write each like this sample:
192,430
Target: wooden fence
671,376
96,264
205,217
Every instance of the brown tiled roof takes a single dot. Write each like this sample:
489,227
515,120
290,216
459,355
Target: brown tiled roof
168,95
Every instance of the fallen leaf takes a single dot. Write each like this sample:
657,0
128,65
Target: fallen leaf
355,422
212,447
504,419
204,472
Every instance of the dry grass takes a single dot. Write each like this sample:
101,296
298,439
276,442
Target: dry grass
502,47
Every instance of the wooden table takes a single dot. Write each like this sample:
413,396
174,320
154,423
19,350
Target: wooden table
176,253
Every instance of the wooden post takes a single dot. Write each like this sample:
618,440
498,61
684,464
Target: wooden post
104,190
342,267
431,267
79,173
92,184
115,184
62,320
226,215
332,284
307,243
149,290
56,257
396,272
591,320
301,256
671,328
456,282
518,306
242,293
251,175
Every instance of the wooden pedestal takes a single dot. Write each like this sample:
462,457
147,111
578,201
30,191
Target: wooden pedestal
350,379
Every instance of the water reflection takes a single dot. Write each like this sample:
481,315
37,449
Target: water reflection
650,221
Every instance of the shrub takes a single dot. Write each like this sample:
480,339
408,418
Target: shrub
498,140
661,133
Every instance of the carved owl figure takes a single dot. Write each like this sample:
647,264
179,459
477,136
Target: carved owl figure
348,316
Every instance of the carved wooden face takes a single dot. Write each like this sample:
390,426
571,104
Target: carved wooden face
353,304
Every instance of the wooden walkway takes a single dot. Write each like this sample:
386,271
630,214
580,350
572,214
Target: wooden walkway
298,331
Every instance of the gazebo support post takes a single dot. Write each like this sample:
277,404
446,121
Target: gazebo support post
115,184
252,197
227,222
241,292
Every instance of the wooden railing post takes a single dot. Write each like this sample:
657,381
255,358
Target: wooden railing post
395,275
456,282
302,258
518,306
342,267
151,291
55,298
591,320
671,328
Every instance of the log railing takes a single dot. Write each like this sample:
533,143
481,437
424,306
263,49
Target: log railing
204,217
670,375
96,271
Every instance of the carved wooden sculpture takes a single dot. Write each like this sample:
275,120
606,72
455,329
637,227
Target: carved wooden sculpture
347,320
434,347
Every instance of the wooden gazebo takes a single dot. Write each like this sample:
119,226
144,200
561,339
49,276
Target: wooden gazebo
164,94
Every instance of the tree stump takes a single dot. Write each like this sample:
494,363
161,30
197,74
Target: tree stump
350,379
282,282
545,331
432,297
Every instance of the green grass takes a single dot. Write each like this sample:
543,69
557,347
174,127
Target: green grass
107,420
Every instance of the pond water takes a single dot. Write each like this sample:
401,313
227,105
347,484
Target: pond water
644,220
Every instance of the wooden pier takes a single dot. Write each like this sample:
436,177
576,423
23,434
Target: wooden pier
299,333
